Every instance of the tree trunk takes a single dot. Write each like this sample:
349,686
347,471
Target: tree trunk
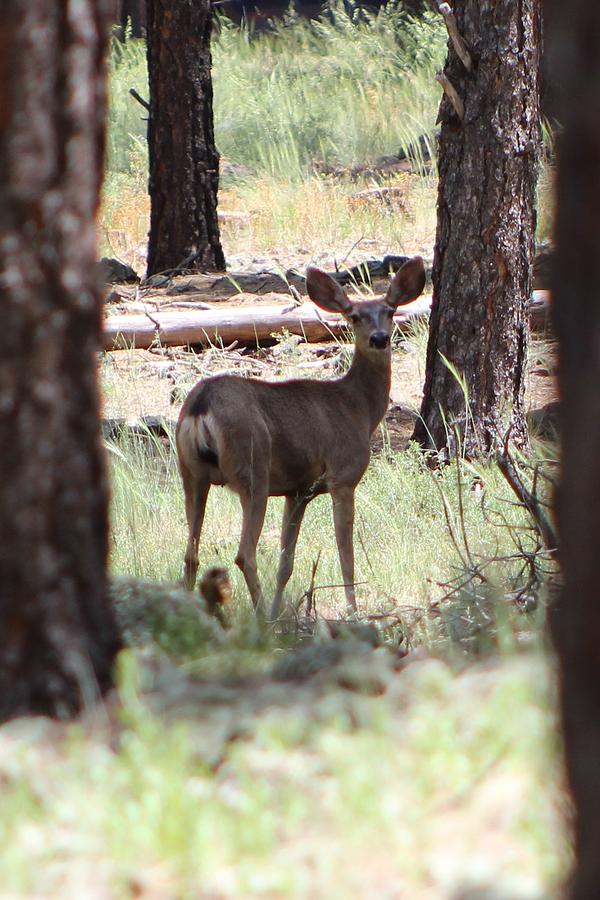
57,632
573,31
485,233
184,163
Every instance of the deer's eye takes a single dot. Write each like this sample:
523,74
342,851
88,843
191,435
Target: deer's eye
354,318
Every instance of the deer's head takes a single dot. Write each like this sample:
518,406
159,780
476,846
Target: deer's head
372,321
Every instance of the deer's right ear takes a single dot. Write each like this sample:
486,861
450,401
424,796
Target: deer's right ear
326,292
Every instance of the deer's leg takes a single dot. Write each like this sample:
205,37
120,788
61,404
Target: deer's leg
343,520
293,513
254,505
195,491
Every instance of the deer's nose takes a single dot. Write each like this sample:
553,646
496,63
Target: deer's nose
379,339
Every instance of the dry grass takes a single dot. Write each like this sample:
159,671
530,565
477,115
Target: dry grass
291,222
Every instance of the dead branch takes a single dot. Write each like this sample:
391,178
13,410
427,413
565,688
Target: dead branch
452,94
139,99
528,499
457,40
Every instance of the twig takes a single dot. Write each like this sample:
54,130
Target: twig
452,94
457,40
355,244
310,604
527,498
139,99
296,295
153,320
187,304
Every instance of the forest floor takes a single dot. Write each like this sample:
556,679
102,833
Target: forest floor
409,759
327,769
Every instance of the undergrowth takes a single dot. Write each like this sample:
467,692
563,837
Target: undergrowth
457,564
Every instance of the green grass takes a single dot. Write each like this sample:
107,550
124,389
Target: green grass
343,89
418,535
436,787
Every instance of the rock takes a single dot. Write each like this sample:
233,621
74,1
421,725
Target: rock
113,271
545,422
543,267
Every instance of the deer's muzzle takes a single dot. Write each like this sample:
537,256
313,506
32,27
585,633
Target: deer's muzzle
379,340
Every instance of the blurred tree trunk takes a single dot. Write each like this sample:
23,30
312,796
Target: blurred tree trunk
184,163
485,233
57,632
573,32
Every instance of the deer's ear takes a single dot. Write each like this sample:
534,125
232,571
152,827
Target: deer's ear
326,292
407,283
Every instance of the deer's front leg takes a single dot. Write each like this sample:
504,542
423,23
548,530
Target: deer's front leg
343,520
292,520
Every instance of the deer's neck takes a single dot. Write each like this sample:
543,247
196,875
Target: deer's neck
369,380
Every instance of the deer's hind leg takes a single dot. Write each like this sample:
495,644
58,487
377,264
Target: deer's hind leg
195,488
254,506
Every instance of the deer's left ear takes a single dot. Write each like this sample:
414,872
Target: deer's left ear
407,283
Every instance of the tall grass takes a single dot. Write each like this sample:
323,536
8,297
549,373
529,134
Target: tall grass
341,89
408,525
337,90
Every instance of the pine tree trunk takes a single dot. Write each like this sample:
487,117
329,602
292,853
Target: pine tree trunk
573,31
57,632
484,246
184,163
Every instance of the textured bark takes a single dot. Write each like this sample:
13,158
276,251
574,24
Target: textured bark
573,31
57,632
184,163
485,233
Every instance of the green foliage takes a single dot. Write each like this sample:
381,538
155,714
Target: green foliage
341,89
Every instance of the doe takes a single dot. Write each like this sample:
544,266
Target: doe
296,438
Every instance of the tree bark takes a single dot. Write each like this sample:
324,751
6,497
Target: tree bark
57,632
485,233
184,163
573,32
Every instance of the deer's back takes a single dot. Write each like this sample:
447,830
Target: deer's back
296,433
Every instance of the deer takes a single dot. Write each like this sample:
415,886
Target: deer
297,438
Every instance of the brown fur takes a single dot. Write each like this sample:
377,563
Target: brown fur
296,438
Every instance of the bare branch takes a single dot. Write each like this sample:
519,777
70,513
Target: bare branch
139,99
527,498
457,41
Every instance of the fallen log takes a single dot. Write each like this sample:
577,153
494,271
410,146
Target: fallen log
254,324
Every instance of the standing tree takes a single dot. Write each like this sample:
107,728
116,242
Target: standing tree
573,33
57,632
184,163
488,155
